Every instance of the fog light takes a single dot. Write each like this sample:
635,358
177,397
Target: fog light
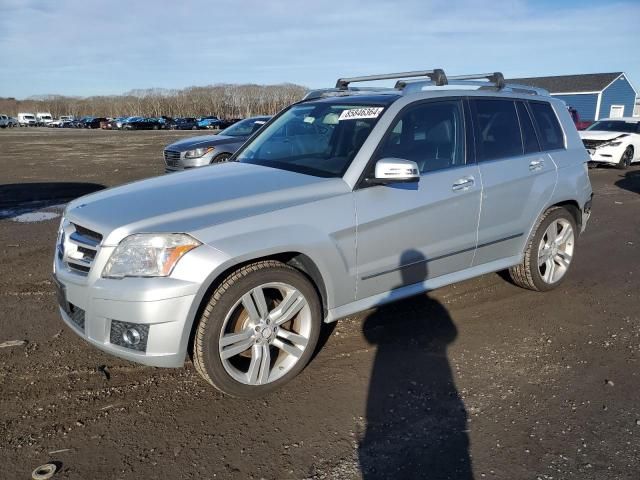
131,336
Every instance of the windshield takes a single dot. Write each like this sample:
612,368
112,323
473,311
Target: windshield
319,139
29,117
244,128
615,126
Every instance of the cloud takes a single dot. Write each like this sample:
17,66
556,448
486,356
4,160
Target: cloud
79,47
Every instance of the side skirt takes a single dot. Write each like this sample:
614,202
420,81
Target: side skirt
417,288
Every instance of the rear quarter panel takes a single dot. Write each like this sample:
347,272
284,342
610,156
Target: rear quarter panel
573,175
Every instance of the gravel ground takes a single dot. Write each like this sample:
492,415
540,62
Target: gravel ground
476,380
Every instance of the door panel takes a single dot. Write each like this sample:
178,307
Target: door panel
515,185
403,227
514,192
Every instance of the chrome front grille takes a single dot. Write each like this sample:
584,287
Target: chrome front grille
172,159
77,247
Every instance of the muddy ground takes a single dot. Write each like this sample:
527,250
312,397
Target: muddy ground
477,380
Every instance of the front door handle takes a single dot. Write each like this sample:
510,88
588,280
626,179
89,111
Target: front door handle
463,183
536,165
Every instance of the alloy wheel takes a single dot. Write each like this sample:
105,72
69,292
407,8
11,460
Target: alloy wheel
555,250
265,333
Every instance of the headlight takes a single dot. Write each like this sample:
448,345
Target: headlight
612,144
148,255
198,152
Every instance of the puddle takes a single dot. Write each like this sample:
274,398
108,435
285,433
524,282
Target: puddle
35,217
32,213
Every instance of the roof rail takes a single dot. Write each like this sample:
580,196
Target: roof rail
436,75
410,82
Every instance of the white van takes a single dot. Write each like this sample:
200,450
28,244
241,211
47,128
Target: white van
44,118
27,120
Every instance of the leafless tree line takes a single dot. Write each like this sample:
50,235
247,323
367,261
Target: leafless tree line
224,100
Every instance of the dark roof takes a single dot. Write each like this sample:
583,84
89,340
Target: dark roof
588,82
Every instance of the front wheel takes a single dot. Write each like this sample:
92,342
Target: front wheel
223,157
258,330
626,158
549,253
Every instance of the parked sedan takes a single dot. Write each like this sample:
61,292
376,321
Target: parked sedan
142,124
200,151
209,122
613,141
93,122
186,123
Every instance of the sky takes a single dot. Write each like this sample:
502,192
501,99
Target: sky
90,47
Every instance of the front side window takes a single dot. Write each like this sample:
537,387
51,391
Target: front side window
497,131
319,139
549,129
430,134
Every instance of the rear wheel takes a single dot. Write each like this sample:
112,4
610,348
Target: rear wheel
626,158
258,330
549,253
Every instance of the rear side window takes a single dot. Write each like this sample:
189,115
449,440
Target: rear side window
497,131
529,138
549,130
431,134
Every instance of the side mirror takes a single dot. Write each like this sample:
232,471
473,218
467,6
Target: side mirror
396,170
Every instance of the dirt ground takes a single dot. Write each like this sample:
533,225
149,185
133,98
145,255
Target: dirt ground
477,380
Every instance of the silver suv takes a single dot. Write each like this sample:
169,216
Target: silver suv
346,200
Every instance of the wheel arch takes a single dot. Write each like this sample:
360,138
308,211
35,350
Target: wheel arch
300,261
574,209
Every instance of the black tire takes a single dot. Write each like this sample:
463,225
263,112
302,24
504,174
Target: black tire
625,160
206,357
527,274
222,158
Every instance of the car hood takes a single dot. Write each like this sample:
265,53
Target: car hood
196,199
600,135
202,141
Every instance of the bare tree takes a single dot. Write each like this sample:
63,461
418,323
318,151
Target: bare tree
223,100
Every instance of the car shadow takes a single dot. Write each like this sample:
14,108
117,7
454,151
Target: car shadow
630,181
416,420
20,198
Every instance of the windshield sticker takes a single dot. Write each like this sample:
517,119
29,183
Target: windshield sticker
309,119
357,113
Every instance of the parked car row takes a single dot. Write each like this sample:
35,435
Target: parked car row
42,119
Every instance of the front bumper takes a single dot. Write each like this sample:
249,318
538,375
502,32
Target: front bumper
91,306
611,155
178,165
165,318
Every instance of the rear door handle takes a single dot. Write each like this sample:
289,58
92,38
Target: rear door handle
536,165
463,184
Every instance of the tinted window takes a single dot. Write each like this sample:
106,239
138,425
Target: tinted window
496,128
430,134
529,138
549,130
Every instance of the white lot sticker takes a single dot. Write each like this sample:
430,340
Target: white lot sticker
356,113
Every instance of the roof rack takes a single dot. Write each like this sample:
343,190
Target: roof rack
436,75
411,82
